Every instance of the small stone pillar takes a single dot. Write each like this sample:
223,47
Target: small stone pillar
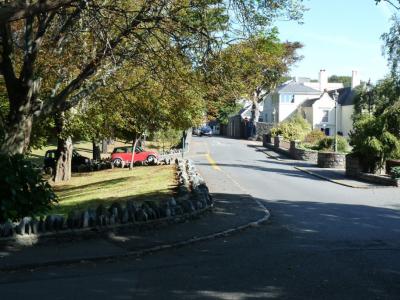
266,139
353,166
277,141
292,149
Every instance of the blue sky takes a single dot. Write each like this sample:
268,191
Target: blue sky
340,36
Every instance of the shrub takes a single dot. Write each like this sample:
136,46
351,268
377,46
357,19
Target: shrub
328,143
294,129
395,172
23,190
314,137
373,142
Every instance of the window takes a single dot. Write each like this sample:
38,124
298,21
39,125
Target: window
325,116
287,98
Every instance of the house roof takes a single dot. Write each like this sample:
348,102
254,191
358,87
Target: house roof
346,96
297,88
309,102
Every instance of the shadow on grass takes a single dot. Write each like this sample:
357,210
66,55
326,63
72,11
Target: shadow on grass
94,185
64,207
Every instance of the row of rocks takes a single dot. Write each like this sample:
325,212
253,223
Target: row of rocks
192,197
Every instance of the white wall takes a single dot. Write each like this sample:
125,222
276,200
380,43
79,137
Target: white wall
270,103
347,122
325,103
287,109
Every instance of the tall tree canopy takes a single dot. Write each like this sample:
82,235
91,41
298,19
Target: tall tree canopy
247,69
55,54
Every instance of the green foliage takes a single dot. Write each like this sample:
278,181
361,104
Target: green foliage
23,191
314,137
395,172
346,80
374,140
171,137
328,144
237,71
294,129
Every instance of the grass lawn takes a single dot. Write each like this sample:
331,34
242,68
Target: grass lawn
86,190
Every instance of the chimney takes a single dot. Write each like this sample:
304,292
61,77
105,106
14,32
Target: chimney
355,79
323,80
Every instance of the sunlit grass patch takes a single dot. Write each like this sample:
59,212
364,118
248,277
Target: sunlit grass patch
88,190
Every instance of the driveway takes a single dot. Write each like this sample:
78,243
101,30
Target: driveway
323,241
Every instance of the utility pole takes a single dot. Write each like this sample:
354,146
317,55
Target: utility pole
336,98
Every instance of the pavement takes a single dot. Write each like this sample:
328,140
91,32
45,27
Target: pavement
322,241
228,216
337,176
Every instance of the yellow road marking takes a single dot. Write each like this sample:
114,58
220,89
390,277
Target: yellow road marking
212,162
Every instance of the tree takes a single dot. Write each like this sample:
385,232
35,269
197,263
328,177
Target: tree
142,100
375,140
248,69
101,35
110,34
346,80
376,135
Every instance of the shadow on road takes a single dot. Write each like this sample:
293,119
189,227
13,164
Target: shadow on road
308,250
287,172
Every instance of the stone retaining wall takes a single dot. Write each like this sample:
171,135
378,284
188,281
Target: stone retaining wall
331,160
354,169
262,129
306,155
379,179
266,139
192,199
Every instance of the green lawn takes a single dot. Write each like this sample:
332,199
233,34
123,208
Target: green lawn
86,190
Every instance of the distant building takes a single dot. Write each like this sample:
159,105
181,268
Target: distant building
314,101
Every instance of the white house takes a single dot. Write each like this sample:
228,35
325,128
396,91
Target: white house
314,100
322,114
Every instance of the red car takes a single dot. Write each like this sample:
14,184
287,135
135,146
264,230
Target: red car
122,155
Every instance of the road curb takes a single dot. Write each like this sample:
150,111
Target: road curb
269,155
138,253
329,179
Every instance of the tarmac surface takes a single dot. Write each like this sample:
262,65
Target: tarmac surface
323,241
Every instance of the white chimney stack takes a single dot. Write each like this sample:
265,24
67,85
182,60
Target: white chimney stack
355,79
323,80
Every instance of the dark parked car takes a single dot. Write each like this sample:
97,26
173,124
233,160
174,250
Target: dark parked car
50,160
206,130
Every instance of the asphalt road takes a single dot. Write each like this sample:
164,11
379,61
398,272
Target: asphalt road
323,241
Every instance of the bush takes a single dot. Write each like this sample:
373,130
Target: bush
373,142
328,143
294,129
314,137
395,172
23,191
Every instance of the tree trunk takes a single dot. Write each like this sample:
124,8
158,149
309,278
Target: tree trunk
134,144
255,111
64,160
62,171
17,135
96,150
104,146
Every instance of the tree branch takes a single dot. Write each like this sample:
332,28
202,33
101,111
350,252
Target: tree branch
19,9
